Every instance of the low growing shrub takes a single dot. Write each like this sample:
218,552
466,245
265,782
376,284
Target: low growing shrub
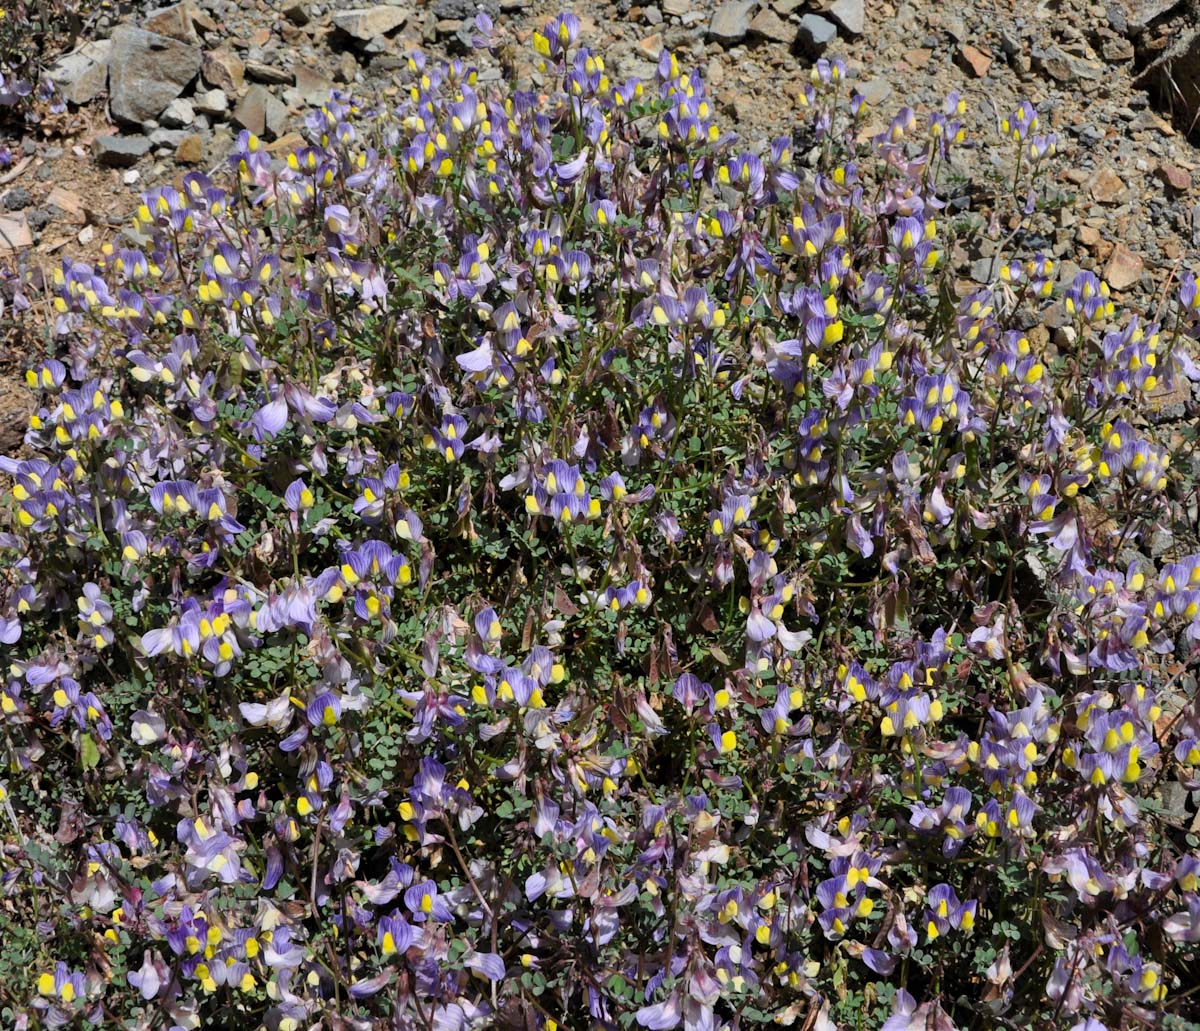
525,560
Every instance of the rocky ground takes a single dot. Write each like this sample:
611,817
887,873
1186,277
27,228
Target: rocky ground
157,91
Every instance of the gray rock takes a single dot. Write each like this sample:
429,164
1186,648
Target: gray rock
296,13
981,270
261,71
251,113
677,8
1161,541
392,63
277,117
168,137
1117,48
347,68
177,114
849,14
954,27
146,72
1010,43
16,199
876,91
1140,14
628,62
261,112
768,25
1117,19
1055,63
120,151
731,21
313,88
81,75
365,23
816,33
211,102
463,10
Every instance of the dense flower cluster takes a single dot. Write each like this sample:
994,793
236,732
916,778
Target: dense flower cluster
524,559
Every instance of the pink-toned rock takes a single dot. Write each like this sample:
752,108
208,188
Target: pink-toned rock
1107,187
1124,268
176,21
650,47
1174,177
975,60
66,201
14,232
224,70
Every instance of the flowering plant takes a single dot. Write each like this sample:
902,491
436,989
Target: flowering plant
523,559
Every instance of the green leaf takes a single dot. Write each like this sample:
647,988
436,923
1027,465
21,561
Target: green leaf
89,754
